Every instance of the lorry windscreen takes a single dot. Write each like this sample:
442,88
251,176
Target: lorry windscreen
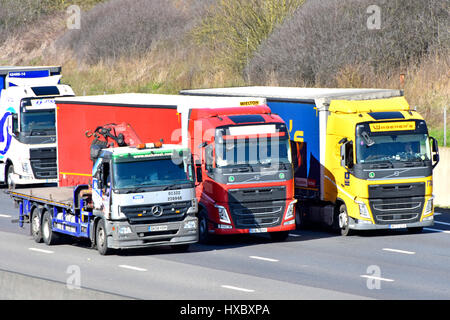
392,147
149,173
38,122
253,151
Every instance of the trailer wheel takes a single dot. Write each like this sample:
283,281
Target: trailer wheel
49,237
35,225
344,221
101,238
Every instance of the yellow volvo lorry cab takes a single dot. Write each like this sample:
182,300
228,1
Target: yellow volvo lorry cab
363,158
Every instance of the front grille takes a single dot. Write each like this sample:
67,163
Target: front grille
43,163
397,210
174,211
257,207
399,190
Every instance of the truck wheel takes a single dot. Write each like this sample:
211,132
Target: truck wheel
49,237
35,226
9,181
279,236
101,239
203,236
344,224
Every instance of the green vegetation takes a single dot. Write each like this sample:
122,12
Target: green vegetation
163,46
236,28
438,133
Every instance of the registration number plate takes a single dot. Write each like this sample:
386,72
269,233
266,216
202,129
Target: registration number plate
257,230
397,226
157,228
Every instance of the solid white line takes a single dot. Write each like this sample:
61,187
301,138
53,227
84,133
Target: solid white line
237,288
398,251
376,278
265,259
5,216
41,250
440,222
132,268
437,230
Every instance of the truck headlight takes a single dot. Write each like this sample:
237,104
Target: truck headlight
290,210
223,214
190,225
124,230
363,211
429,206
26,167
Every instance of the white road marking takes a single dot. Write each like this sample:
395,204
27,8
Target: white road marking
5,216
399,251
41,250
440,222
376,278
437,213
294,235
237,288
264,259
132,268
437,230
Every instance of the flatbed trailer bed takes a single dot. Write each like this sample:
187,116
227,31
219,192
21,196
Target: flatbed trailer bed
66,206
61,196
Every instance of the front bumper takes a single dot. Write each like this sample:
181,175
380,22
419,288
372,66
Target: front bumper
170,233
220,229
356,224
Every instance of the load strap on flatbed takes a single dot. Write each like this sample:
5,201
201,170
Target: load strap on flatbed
60,196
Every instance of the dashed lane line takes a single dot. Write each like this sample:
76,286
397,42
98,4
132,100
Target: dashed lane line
40,250
376,278
437,230
124,266
264,259
237,288
398,251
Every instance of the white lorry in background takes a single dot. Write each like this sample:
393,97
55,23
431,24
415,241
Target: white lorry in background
27,124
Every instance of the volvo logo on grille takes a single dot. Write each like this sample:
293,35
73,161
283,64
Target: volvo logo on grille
157,211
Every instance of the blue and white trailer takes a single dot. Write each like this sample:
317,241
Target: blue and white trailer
27,123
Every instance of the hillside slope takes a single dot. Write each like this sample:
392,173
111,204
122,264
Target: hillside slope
169,47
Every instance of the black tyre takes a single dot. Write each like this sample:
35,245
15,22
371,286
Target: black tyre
344,221
101,239
203,236
35,225
279,236
300,218
49,237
